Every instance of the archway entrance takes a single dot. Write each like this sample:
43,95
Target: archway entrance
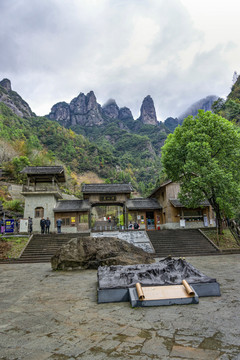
107,217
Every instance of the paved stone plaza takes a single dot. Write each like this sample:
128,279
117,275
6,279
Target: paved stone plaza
55,315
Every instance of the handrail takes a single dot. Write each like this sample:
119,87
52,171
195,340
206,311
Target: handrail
235,230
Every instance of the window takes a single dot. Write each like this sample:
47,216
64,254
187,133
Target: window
65,221
39,212
83,219
193,215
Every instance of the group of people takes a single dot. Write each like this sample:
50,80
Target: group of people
134,226
45,225
2,226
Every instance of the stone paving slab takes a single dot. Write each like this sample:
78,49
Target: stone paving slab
46,315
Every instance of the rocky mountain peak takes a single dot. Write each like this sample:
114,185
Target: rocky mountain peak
14,101
110,109
6,84
61,113
82,110
147,112
205,104
125,113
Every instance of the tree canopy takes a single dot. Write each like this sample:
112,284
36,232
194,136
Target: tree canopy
204,156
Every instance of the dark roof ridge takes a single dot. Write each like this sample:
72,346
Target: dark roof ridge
159,187
107,188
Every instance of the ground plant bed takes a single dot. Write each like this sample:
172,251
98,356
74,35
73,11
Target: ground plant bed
12,246
226,241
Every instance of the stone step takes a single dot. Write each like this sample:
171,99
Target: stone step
42,247
180,243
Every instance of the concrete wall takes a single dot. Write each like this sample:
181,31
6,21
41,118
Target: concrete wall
188,225
48,202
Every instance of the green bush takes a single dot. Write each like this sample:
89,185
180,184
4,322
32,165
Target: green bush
13,205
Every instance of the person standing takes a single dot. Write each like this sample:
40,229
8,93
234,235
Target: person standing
42,225
30,223
59,224
2,227
47,223
17,225
136,226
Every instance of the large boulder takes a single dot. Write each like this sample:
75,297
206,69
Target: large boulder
89,253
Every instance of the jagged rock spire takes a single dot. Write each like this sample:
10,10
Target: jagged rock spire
148,113
6,84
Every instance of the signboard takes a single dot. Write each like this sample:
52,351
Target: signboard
23,226
205,220
73,220
9,226
182,223
107,197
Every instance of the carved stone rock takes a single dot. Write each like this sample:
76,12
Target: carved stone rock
90,253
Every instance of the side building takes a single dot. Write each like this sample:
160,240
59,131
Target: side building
42,192
175,215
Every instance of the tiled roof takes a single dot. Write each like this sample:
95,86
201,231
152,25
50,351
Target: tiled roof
72,205
145,204
159,187
177,203
44,172
107,188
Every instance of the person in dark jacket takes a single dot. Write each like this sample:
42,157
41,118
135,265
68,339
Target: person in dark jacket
42,225
47,223
2,226
59,224
136,226
17,225
30,223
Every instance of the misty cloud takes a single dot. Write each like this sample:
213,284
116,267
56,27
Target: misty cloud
51,50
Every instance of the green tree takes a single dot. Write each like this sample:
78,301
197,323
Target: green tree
203,155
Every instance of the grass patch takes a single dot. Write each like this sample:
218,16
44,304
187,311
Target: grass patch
226,241
11,247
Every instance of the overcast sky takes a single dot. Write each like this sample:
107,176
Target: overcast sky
177,51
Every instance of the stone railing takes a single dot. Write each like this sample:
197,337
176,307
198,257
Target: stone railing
46,188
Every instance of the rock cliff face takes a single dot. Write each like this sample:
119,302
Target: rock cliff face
110,109
61,113
171,123
148,113
13,100
85,111
82,110
204,104
125,113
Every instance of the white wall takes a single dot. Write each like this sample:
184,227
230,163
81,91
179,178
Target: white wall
48,202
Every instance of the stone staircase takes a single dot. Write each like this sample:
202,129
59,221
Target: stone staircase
42,247
181,243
